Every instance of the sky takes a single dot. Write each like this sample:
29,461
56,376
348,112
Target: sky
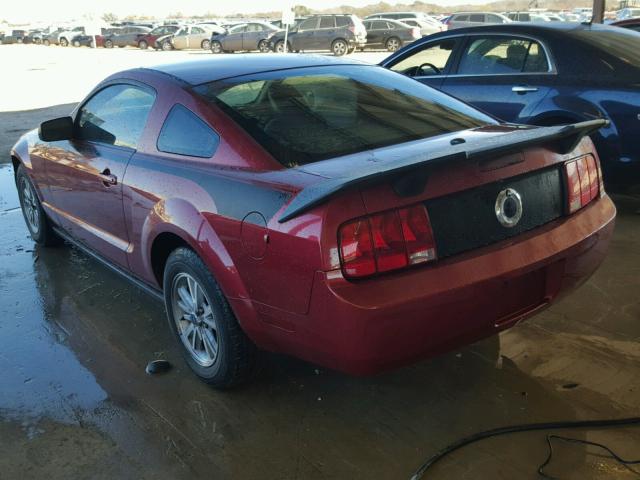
60,10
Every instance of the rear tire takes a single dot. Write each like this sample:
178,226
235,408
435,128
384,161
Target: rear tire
393,44
108,43
206,44
143,45
339,47
46,42
167,46
64,42
279,47
216,47
212,342
76,43
263,46
35,217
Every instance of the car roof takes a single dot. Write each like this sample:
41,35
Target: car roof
526,27
218,67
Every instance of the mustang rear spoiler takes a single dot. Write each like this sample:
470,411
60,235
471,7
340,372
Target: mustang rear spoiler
560,139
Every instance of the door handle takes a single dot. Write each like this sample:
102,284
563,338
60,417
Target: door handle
522,89
107,178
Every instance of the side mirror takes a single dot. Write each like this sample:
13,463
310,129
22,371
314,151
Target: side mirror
56,129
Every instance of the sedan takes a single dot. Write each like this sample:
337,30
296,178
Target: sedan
543,74
127,36
338,212
246,36
150,38
189,37
389,34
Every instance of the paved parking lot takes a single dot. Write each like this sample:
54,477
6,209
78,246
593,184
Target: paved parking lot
75,401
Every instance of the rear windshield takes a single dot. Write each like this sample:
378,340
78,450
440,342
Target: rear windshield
305,115
618,45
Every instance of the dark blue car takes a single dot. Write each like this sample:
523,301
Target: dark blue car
543,75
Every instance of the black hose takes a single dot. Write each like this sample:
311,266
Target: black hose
527,427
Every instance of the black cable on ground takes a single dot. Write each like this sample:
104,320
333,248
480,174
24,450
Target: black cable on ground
527,427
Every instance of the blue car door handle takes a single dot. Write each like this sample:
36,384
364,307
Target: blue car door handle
522,89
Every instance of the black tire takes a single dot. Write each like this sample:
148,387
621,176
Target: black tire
216,47
339,47
76,43
263,46
205,44
46,42
279,47
64,42
166,46
108,43
236,356
143,45
38,224
393,44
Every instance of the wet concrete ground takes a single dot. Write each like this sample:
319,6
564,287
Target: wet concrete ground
75,401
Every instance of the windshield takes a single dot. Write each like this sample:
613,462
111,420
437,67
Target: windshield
306,115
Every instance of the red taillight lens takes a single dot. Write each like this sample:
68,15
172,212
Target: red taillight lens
583,182
418,236
386,241
356,249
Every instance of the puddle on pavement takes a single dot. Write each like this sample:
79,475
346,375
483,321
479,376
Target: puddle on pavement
75,339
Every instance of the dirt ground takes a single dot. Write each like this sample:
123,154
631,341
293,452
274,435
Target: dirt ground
75,401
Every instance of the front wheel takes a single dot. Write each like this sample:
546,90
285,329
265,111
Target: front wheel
279,48
143,45
108,44
393,44
216,47
205,45
339,47
76,43
263,46
46,42
210,338
34,216
167,46
64,42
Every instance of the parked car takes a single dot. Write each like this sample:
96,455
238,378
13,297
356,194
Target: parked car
62,36
248,36
278,23
127,36
627,13
17,36
631,24
527,17
425,27
543,74
150,38
390,34
189,37
211,184
470,19
339,34
34,37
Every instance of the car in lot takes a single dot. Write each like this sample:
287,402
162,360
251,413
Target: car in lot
149,39
127,36
248,36
527,17
17,36
628,13
62,36
278,23
390,34
543,74
470,19
189,37
319,207
339,34
33,37
630,23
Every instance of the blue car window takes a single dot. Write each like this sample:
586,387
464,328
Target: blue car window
184,133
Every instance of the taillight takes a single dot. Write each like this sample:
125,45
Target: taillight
386,241
584,182
352,28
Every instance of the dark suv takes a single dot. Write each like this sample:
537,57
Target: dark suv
339,34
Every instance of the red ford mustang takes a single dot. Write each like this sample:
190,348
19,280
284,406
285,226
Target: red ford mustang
323,208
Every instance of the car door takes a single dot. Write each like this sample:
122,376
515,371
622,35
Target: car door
325,34
233,40
504,75
303,39
429,63
85,176
180,39
198,34
251,36
375,32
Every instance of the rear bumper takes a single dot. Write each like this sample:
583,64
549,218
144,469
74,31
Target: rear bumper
385,322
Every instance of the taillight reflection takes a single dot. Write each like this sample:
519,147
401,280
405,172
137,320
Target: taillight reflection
386,241
584,182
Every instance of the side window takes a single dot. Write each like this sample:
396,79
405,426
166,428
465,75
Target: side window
476,17
195,30
379,25
500,55
342,21
367,25
423,62
461,18
327,22
309,23
390,26
184,133
492,18
115,115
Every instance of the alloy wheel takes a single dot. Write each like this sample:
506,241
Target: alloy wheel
206,45
194,318
216,47
30,206
339,48
263,46
393,44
